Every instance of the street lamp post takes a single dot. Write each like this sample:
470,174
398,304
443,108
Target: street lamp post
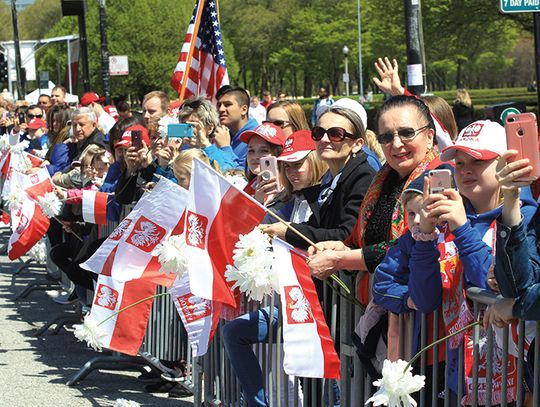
346,74
360,78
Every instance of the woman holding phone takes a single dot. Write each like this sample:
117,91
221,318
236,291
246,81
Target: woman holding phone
338,140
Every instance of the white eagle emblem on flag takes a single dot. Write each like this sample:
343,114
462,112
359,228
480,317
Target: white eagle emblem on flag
298,307
106,297
194,307
120,229
146,234
196,230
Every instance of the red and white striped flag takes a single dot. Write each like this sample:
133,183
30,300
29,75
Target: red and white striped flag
38,184
216,214
201,67
307,344
127,252
29,226
94,206
123,332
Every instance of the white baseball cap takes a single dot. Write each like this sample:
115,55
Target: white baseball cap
483,139
347,104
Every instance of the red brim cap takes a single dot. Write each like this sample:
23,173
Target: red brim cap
123,143
449,153
294,157
246,136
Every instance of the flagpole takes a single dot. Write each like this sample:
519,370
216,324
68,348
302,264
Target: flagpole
192,46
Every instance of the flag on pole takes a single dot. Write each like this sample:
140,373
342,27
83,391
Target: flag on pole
29,226
38,184
200,317
216,214
201,67
307,343
125,331
127,252
94,206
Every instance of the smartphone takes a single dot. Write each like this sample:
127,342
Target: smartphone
439,180
136,140
269,164
522,135
180,130
22,117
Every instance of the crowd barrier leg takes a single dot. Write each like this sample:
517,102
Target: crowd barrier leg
66,318
109,362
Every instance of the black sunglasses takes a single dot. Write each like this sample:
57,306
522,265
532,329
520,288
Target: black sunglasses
406,135
193,104
31,116
335,134
279,123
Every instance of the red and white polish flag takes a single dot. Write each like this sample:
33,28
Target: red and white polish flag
94,206
123,332
38,184
216,214
29,226
199,316
307,343
127,252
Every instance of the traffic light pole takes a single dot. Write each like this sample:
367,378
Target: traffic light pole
415,76
84,51
105,76
20,80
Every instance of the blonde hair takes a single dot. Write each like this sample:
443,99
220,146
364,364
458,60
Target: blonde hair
87,156
185,160
317,168
463,97
294,110
443,112
372,143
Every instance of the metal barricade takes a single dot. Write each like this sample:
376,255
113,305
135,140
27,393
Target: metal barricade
221,388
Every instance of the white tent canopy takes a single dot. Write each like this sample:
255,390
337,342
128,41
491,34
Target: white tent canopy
33,97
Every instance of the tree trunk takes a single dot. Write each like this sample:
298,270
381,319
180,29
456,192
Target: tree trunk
308,84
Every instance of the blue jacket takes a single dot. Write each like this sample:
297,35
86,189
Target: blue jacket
412,269
59,160
517,268
372,158
109,185
239,147
224,156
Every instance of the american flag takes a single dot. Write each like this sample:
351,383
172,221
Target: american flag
201,68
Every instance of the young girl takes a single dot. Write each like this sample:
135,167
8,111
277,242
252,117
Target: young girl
266,140
182,165
445,263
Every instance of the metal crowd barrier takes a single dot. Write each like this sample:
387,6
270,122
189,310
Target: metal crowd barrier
221,387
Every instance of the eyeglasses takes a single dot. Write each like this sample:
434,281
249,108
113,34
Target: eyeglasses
192,104
31,116
405,135
335,134
279,123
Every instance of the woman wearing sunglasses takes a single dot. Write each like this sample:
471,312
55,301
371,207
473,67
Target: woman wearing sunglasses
288,115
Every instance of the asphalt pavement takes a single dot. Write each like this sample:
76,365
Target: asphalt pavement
34,370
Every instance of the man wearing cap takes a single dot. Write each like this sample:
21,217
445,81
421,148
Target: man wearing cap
58,95
233,109
104,120
22,129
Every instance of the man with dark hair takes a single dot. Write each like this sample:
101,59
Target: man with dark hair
58,95
267,99
233,109
44,101
124,109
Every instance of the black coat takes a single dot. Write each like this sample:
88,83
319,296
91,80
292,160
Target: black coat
336,218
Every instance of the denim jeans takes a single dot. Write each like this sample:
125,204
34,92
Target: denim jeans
238,337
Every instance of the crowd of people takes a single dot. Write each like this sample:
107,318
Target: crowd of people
362,195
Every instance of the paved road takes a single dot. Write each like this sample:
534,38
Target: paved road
34,370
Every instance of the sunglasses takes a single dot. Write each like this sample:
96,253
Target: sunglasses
405,135
31,116
194,104
335,134
279,123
